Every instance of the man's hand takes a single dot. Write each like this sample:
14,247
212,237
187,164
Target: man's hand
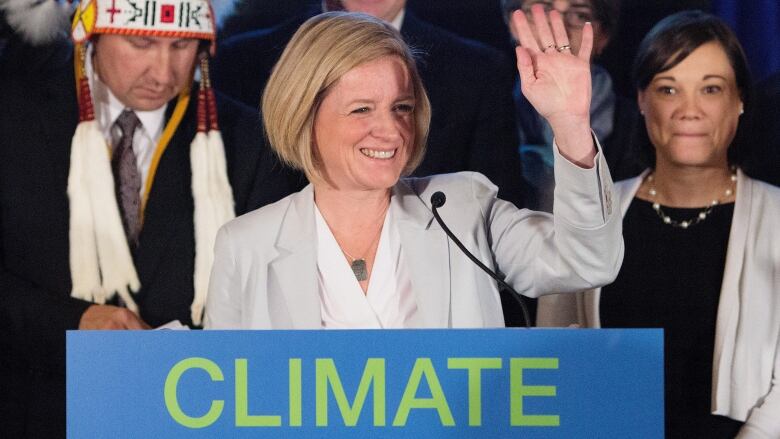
110,317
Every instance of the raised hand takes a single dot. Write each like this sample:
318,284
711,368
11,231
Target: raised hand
557,82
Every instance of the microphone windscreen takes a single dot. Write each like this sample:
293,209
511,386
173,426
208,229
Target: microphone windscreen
438,199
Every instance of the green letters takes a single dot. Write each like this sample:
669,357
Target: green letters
374,372
373,379
423,367
295,392
518,391
172,402
243,418
474,366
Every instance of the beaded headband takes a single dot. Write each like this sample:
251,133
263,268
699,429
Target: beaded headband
159,18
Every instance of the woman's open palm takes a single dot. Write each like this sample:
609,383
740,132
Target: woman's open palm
555,81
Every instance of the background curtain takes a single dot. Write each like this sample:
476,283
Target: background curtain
757,23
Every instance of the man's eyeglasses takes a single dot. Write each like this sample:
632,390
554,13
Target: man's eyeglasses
576,16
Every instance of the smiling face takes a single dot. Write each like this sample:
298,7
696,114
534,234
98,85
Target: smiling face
385,9
144,73
692,110
364,127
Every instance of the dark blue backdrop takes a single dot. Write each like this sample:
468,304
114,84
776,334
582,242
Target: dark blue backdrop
757,23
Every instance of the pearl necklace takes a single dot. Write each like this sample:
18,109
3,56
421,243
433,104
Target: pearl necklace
701,216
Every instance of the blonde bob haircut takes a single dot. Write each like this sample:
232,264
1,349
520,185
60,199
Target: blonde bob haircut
322,50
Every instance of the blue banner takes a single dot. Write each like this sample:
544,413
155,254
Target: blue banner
487,383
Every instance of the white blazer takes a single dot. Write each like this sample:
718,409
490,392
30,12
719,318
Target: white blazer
746,363
265,272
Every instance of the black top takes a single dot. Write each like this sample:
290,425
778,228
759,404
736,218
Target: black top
671,278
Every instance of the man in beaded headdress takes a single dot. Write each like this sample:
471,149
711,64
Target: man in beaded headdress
116,170
144,53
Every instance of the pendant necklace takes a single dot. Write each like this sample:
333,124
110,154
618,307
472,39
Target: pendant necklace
358,265
701,216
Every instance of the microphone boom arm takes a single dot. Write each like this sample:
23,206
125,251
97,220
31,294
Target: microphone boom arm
437,200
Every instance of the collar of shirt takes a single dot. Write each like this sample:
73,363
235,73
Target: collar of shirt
389,301
396,22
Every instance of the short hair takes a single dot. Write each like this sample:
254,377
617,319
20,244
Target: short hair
323,49
606,12
675,37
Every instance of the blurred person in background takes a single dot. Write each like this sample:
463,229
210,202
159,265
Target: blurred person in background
613,118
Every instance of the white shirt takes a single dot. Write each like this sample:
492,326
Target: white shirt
388,303
107,110
396,22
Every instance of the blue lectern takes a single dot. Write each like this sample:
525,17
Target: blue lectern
486,383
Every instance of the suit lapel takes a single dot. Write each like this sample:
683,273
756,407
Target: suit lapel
293,273
426,253
413,32
169,209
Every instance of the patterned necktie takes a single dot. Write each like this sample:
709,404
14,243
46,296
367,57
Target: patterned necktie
127,177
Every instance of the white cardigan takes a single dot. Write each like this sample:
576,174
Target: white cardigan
746,363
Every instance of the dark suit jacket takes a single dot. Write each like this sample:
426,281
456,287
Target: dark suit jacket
469,85
38,117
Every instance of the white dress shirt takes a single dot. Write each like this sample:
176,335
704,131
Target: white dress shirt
388,303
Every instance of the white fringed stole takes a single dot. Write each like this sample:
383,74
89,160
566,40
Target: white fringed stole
211,190
100,260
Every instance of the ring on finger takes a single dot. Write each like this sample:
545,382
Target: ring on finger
564,47
549,46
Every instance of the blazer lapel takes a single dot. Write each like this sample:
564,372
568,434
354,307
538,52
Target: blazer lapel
426,253
169,209
293,273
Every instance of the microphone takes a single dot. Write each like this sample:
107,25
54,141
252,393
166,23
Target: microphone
437,200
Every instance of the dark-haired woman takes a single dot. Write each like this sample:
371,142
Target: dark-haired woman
702,246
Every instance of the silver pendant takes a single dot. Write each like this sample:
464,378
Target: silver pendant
359,268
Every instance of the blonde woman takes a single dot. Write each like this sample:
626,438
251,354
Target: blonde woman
358,247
